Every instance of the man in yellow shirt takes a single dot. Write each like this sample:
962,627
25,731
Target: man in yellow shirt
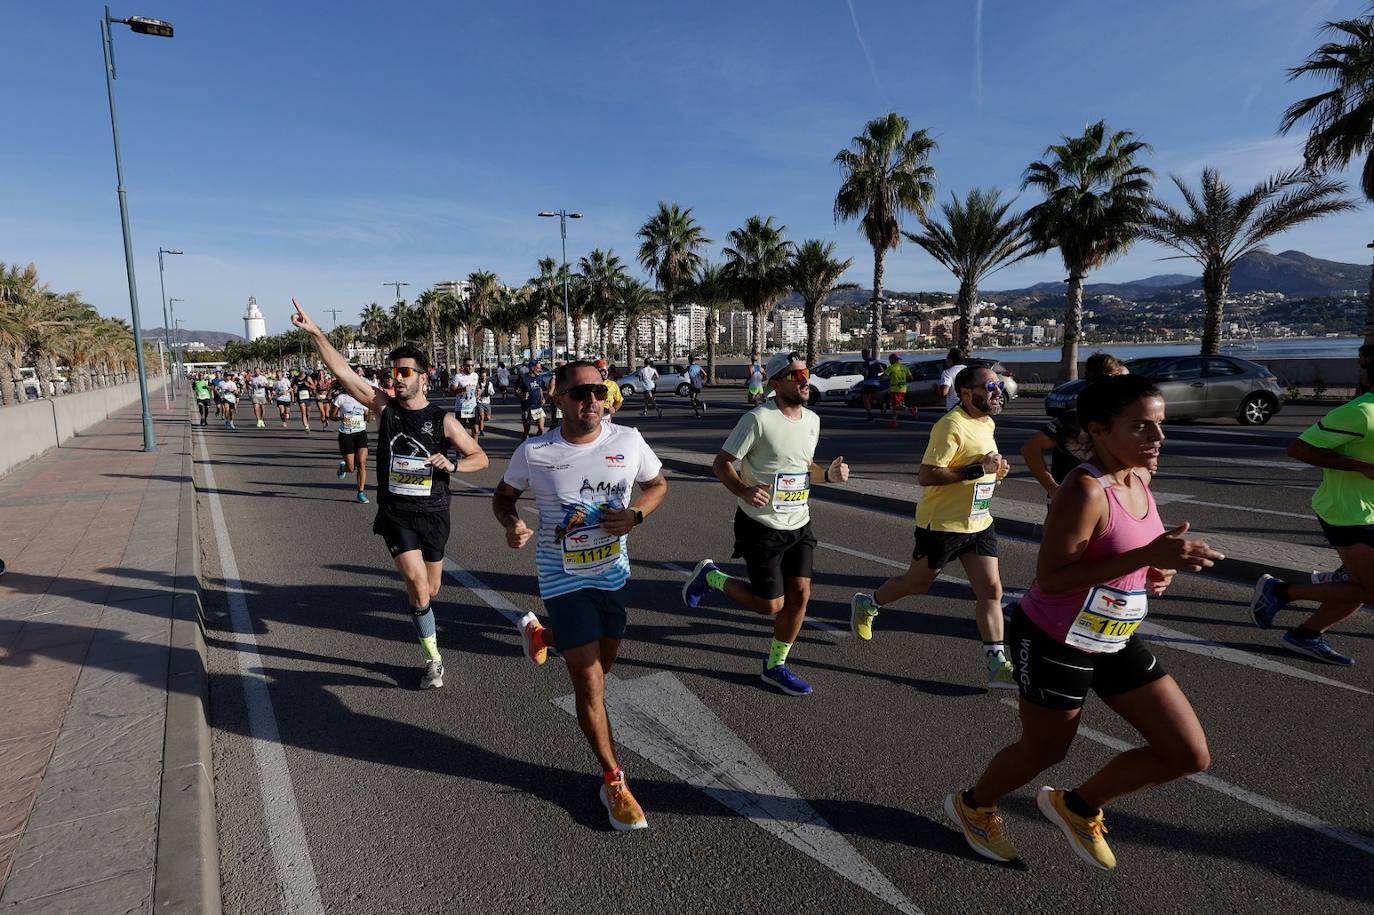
959,472
898,375
613,396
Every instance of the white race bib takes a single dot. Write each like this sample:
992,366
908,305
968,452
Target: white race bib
229,398
790,491
304,394
467,407
259,395
537,414
410,476
1109,617
981,506
351,424
588,550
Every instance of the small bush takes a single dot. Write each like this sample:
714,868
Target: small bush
1319,387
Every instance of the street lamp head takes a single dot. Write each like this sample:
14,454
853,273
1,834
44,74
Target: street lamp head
574,215
169,251
547,213
147,26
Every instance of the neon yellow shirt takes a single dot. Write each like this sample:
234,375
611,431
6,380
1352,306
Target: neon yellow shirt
613,396
1345,498
958,440
897,377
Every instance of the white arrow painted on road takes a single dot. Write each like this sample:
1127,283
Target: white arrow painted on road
660,719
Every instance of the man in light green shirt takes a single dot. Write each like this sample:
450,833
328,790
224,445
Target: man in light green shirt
775,445
1342,444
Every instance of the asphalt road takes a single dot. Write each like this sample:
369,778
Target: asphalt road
366,795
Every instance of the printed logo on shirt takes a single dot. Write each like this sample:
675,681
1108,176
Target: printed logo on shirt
427,429
615,460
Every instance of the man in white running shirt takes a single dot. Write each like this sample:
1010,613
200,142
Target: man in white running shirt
955,362
464,385
583,475
649,376
259,384
352,440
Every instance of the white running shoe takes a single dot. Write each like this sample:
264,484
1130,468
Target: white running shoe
434,675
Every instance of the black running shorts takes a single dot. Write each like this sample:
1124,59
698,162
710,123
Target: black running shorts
1339,535
771,555
351,442
1058,676
423,531
940,548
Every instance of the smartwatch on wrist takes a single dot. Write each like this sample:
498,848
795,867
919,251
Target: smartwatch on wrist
639,516
974,471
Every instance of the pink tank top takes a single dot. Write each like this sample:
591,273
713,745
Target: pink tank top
1055,613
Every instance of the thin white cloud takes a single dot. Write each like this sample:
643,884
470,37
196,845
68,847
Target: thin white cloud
863,46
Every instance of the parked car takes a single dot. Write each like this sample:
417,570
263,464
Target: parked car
671,377
923,390
832,379
1197,387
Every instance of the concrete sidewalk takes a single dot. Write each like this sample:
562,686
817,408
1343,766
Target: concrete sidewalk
106,789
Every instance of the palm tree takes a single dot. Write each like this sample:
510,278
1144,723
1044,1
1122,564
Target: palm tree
886,174
814,274
602,272
427,306
484,291
547,294
1217,228
756,263
671,238
976,239
711,289
637,301
1096,196
1341,119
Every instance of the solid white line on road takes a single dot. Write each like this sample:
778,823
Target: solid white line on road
493,599
1153,632
285,830
660,719
1355,840
819,624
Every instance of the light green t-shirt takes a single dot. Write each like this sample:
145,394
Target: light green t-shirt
778,451
958,440
897,377
1345,498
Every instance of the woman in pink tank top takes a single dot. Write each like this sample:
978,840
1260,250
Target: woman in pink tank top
1103,555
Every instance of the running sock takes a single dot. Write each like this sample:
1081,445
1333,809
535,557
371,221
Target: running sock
611,776
1078,805
716,579
777,653
1281,591
995,648
424,628
970,800
1302,632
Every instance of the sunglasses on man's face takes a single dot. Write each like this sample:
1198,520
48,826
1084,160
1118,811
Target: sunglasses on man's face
996,386
403,371
587,392
800,376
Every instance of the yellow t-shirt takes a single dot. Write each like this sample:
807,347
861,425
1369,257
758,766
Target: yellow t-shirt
897,377
613,396
958,440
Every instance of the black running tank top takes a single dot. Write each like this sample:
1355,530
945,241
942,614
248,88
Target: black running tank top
404,439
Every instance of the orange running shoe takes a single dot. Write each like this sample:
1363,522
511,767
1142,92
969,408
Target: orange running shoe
533,634
622,809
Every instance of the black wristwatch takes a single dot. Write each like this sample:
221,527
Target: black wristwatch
974,471
639,516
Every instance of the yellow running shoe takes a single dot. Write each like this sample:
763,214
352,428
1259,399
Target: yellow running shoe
1086,834
862,613
983,828
622,809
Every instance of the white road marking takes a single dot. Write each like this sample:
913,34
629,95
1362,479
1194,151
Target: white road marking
1355,840
1153,632
493,599
660,719
285,830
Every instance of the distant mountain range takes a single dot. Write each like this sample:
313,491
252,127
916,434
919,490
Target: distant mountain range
215,339
1292,273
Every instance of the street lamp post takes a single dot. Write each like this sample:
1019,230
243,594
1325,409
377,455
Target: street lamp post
178,362
563,217
145,26
166,325
397,286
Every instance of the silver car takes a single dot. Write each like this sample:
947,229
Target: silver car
671,377
1197,387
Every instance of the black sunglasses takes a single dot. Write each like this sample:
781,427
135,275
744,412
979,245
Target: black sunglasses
587,392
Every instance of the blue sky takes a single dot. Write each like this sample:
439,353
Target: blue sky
321,150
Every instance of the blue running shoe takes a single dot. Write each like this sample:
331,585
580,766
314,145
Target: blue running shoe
342,471
785,680
362,498
1318,648
696,587
1266,604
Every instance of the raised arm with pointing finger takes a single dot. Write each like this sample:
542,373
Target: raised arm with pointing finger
375,399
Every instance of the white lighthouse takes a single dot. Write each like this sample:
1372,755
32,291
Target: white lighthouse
254,324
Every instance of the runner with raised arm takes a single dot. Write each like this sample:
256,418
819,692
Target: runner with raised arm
583,475
412,476
1103,555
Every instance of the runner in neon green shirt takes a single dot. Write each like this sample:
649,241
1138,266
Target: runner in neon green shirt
898,375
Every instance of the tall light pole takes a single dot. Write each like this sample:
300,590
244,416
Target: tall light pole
563,217
166,324
143,26
180,362
398,286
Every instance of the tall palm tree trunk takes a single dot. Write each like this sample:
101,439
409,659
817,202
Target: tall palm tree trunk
668,313
813,330
1215,284
711,345
968,298
875,306
761,327
1073,329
